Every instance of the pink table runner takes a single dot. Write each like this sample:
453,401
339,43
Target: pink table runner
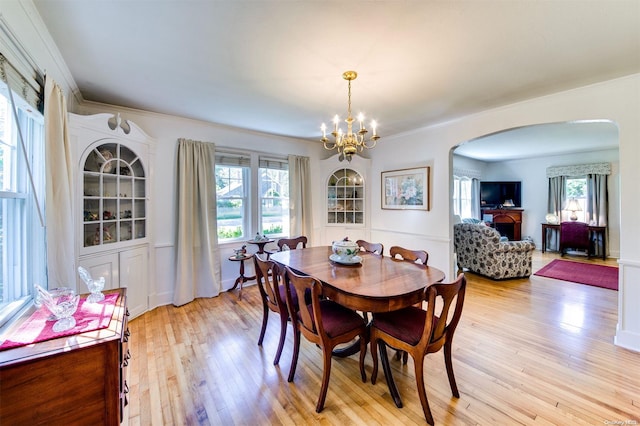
89,317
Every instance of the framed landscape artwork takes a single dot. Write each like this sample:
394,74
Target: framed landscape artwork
406,189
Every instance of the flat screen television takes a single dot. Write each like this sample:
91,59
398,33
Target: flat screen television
494,194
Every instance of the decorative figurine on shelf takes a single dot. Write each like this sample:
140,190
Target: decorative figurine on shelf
107,215
241,252
260,238
62,303
95,286
90,216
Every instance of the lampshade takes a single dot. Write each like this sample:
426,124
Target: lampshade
573,206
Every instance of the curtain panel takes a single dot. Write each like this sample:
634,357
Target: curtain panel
198,269
59,211
300,214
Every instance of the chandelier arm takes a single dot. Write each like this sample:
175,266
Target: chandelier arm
364,143
329,145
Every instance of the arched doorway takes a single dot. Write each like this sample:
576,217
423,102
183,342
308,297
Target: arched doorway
523,154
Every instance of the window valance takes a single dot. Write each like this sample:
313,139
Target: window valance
579,170
473,174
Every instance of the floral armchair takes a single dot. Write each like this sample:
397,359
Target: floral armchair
479,249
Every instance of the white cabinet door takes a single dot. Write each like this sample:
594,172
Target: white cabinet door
134,272
100,266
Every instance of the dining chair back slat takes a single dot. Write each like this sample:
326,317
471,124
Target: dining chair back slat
292,243
419,256
376,248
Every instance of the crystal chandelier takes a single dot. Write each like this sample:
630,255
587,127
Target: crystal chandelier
349,143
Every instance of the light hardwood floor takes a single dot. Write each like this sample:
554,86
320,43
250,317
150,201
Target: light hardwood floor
527,351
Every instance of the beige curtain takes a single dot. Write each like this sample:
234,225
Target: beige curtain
59,206
300,214
197,257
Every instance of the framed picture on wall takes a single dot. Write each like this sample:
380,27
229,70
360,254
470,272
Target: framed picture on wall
406,189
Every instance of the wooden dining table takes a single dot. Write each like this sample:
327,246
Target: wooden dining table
376,284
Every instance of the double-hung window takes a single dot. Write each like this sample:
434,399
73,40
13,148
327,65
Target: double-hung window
252,195
22,232
576,189
274,197
232,196
462,197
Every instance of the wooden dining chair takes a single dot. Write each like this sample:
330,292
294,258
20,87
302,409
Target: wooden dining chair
419,256
274,299
376,248
419,332
323,322
414,256
292,243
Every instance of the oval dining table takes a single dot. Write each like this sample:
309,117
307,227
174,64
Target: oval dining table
375,284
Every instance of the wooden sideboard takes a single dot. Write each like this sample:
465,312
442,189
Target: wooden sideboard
507,221
78,379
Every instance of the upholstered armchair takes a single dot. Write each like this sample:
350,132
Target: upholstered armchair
479,249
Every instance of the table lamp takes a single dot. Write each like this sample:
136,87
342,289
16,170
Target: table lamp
573,206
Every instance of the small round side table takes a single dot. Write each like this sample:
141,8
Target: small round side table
261,244
242,278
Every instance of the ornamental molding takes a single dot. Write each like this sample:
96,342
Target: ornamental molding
579,170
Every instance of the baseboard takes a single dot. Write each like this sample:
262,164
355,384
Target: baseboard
627,340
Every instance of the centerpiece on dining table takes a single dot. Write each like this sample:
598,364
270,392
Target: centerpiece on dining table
345,252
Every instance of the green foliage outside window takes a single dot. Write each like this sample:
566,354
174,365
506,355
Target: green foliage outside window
576,188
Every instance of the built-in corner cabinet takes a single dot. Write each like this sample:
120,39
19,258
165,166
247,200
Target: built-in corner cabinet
346,199
113,206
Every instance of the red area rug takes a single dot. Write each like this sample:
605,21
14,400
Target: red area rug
582,273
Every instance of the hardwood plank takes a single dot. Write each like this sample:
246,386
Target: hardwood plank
527,351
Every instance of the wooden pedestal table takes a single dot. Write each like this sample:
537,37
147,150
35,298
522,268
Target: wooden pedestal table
242,278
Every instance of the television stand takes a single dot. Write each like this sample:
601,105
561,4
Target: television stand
506,221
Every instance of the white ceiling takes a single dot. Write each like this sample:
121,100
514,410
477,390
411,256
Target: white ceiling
276,66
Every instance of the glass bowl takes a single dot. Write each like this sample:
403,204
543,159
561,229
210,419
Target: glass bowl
62,303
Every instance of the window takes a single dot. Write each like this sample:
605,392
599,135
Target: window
22,236
576,188
274,197
252,196
462,196
232,190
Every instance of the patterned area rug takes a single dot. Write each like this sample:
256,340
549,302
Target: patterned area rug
583,273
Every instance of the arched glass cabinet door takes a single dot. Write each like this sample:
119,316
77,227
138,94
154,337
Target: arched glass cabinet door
345,197
114,195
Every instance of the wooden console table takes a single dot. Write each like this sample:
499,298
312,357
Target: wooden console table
594,231
508,221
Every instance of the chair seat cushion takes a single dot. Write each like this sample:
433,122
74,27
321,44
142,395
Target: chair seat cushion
337,319
406,324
